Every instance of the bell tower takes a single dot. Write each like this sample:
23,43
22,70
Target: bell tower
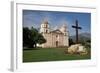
64,30
44,27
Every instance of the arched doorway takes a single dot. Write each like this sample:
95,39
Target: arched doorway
56,43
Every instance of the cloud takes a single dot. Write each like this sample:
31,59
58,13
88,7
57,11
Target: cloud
57,19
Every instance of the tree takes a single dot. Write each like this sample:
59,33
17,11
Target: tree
31,37
41,39
71,41
88,43
26,36
34,37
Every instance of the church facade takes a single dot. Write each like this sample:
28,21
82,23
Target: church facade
54,38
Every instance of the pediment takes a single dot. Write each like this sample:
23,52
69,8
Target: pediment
56,31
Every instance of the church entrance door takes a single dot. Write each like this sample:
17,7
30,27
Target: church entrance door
56,43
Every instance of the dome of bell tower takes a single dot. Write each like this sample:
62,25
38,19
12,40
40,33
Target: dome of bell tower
45,27
45,22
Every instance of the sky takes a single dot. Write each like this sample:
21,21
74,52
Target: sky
33,18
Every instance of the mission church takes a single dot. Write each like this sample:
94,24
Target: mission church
54,38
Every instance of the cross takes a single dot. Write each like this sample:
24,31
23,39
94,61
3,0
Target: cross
76,27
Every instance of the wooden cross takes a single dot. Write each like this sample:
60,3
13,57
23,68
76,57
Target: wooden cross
76,27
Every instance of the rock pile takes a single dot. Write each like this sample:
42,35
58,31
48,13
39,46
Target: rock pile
77,49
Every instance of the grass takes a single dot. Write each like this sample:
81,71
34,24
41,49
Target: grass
50,54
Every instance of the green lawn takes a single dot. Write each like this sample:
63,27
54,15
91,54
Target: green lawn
50,54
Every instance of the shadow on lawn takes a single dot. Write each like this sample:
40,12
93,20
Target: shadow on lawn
31,48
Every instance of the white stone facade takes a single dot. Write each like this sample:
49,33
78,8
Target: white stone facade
54,38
